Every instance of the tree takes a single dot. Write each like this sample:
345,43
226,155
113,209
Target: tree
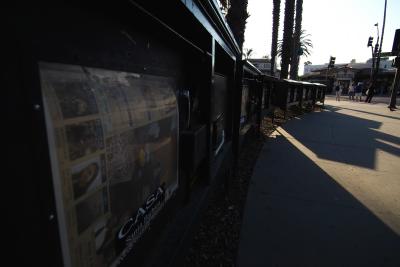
294,62
247,53
305,44
236,17
275,27
287,38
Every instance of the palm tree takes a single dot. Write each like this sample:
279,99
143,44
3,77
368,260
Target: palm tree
275,28
287,38
294,64
305,44
247,53
236,17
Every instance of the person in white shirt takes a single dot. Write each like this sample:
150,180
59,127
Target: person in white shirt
358,91
351,91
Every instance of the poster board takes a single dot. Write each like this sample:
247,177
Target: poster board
244,106
113,144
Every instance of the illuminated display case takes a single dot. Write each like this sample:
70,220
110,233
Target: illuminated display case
113,139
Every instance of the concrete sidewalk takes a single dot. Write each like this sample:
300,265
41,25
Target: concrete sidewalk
326,191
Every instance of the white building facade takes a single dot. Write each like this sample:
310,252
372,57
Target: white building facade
385,63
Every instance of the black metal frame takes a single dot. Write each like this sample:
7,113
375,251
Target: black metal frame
320,92
251,80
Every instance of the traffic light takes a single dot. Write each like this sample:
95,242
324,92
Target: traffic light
376,50
370,39
331,62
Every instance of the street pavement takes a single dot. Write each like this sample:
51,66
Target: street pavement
325,191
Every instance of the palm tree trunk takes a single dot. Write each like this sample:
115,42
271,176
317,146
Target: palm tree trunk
294,65
275,28
287,38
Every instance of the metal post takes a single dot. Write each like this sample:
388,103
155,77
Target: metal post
326,74
396,86
373,62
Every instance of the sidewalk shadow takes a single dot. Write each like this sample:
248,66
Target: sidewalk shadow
296,214
344,138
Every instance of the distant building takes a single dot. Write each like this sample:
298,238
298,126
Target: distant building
385,63
311,68
263,64
348,73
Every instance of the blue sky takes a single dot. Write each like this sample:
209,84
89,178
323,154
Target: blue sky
338,27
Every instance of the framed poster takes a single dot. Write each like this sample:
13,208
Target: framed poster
113,141
244,105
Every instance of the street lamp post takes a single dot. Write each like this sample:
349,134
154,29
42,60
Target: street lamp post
375,51
378,48
370,39
377,32
331,64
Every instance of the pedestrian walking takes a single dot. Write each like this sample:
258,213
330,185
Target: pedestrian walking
358,92
337,89
351,91
370,93
341,90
